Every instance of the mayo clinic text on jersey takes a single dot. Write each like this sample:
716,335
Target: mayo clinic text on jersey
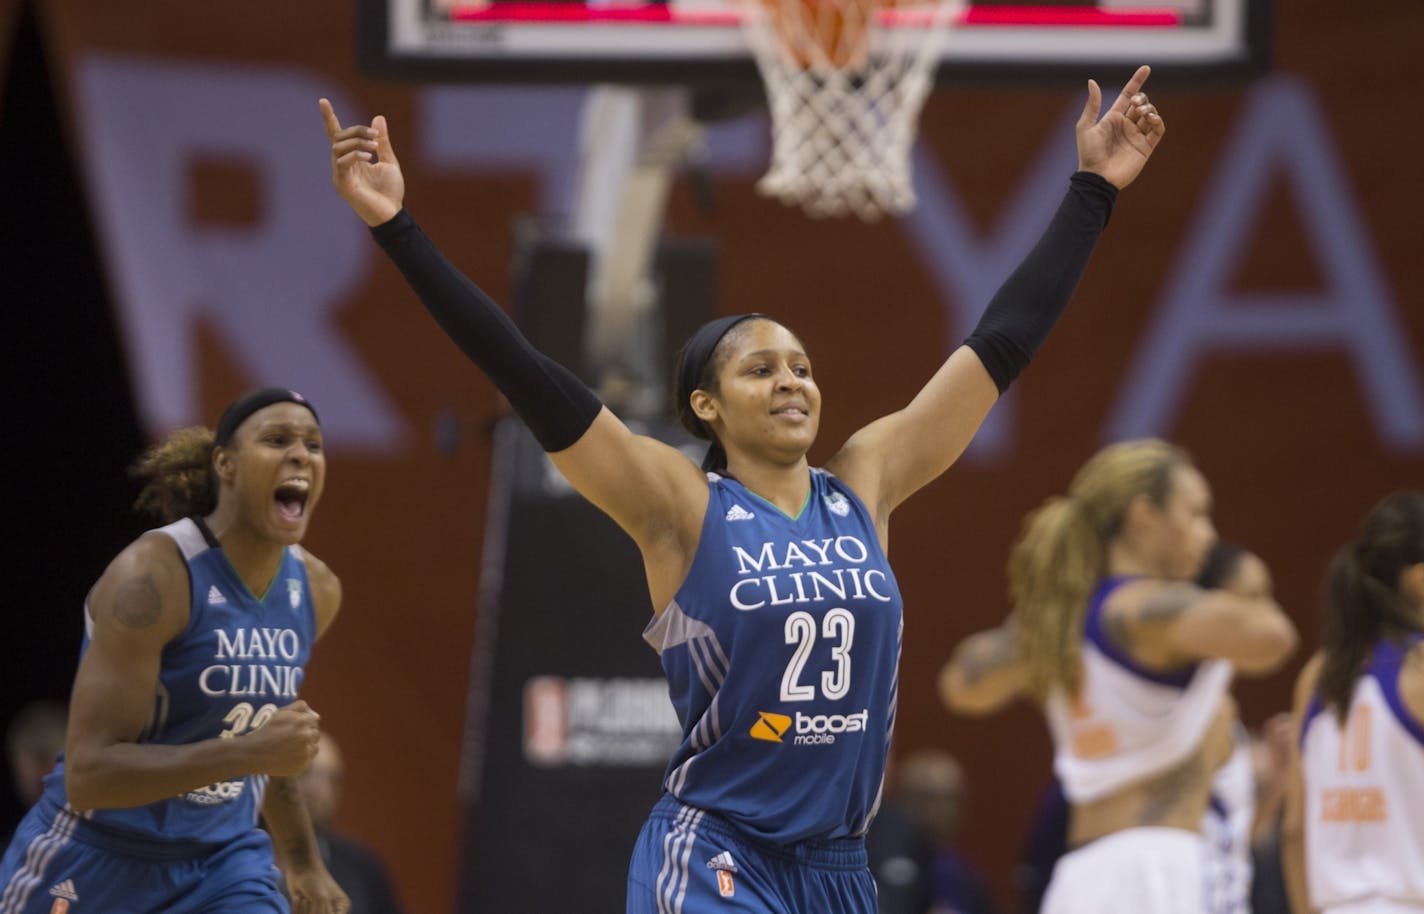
255,679
794,579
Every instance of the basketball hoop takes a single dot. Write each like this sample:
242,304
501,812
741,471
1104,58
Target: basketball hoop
845,80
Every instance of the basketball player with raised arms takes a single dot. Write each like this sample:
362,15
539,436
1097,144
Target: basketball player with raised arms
1353,836
184,721
1131,662
775,613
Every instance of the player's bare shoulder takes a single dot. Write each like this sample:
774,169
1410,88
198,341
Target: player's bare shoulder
1411,681
325,589
1307,680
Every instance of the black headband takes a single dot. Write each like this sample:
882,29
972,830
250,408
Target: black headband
251,402
698,352
691,363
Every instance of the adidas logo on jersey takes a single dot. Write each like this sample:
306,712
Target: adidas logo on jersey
737,512
215,597
65,890
723,861
838,504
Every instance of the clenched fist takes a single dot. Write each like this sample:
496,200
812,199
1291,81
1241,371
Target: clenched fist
286,744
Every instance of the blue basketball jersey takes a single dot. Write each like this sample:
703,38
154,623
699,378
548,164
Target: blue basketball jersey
239,659
782,652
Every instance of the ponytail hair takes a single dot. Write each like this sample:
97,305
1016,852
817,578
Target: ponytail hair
1362,599
1061,555
1053,569
178,476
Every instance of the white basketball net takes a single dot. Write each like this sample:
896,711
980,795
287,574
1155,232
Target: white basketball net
845,80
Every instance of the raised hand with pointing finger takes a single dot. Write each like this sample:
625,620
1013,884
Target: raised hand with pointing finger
364,167
1118,146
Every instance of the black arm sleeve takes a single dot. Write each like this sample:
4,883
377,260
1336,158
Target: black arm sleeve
1029,302
556,405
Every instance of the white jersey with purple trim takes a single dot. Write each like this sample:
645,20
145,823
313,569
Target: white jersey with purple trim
1128,723
782,651
1226,826
1364,786
1146,870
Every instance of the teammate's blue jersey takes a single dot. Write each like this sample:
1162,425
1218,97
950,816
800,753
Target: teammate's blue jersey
239,659
782,652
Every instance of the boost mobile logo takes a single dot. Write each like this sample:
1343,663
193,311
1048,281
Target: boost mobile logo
770,726
811,730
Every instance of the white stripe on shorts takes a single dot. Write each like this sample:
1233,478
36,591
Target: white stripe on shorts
677,850
667,856
38,857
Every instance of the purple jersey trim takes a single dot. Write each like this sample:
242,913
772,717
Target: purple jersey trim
1312,711
1384,665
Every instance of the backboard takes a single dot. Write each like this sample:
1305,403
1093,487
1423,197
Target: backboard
700,43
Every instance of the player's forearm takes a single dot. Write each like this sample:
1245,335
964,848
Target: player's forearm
1271,638
1293,818
984,675
293,837
551,400
1293,870
1255,634
1028,304
123,775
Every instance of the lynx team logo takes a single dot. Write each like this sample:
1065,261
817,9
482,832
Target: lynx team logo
838,504
294,592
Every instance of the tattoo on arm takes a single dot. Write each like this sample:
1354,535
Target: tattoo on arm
1119,632
1169,602
283,789
1163,606
138,604
988,653
1172,790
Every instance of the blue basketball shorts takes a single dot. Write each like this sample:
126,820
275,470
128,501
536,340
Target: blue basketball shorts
691,861
59,863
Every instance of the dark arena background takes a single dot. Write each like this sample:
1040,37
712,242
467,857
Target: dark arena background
171,237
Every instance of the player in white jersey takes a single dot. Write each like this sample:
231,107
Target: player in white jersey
1353,840
761,568
1131,662
1231,808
